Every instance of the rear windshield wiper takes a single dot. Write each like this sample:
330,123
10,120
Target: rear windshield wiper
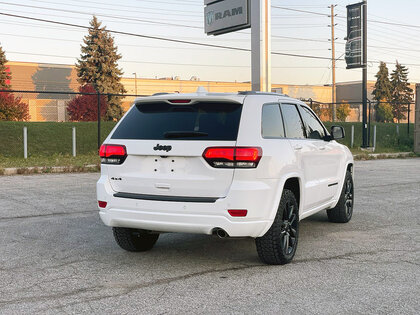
184,134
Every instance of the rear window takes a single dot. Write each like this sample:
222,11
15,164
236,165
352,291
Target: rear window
199,121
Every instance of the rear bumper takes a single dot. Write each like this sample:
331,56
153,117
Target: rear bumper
192,217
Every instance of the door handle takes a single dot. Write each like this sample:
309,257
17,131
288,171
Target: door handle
297,147
322,148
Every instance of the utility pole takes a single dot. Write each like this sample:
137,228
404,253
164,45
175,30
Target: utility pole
333,98
135,83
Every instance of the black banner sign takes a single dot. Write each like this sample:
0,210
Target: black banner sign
354,36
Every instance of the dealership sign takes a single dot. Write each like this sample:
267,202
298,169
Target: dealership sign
354,36
221,17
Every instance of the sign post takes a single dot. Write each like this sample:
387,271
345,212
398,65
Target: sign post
225,16
417,121
261,45
356,53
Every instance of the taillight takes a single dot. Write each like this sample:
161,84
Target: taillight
102,204
180,101
112,153
238,212
233,157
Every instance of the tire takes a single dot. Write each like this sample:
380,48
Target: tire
343,211
278,245
134,240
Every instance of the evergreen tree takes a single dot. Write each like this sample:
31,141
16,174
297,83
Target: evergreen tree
382,92
383,87
98,66
4,75
402,94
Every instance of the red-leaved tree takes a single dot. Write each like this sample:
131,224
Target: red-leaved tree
85,107
12,108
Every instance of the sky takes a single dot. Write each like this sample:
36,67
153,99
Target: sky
293,32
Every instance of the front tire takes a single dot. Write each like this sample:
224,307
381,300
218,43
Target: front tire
278,245
343,211
134,240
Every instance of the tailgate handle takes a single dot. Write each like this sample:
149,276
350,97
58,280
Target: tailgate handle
162,186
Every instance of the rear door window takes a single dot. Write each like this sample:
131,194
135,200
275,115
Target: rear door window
272,123
292,121
198,121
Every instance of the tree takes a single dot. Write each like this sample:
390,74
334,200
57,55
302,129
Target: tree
5,76
383,86
98,66
402,94
343,110
12,108
384,111
85,107
382,93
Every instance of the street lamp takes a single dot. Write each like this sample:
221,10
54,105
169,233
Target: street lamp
135,83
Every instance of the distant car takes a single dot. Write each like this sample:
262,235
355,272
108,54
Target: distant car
234,165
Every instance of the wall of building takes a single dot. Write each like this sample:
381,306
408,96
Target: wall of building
53,77
63,78
352,92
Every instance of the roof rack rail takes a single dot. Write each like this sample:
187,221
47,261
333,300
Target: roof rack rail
259,93
160,93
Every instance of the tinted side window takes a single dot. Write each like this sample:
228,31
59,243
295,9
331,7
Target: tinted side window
198,121
272,123
314,129
292,121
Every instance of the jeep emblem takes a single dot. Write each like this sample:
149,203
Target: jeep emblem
159,147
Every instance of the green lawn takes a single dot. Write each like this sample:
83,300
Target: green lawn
50,138
50,143
387,139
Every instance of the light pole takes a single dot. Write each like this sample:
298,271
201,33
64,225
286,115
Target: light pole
135,82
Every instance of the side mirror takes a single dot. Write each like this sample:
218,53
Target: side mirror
337,132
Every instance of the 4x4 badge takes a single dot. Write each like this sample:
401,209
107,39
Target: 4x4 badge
159,147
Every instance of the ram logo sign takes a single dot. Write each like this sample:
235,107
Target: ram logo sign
226,16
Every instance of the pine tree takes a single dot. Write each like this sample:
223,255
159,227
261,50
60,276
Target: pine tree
402,94
383,86
4,75
98,66
382,91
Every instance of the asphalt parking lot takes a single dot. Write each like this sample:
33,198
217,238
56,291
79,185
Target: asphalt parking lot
57,257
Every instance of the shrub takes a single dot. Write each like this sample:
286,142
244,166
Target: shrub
384,112
12,108
85,107
342,111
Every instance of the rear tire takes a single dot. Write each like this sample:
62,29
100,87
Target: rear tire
343,211
134,240
278,245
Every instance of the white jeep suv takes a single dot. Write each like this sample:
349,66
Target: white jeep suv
250,164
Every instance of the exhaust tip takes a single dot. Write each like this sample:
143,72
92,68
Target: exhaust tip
220,233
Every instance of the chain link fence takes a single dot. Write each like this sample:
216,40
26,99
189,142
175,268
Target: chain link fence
51,128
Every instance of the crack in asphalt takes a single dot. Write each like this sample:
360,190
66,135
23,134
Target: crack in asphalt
129,288
46,215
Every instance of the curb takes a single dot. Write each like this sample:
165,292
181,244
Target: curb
373,156
49,169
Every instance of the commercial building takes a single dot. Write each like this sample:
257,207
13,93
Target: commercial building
63,78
